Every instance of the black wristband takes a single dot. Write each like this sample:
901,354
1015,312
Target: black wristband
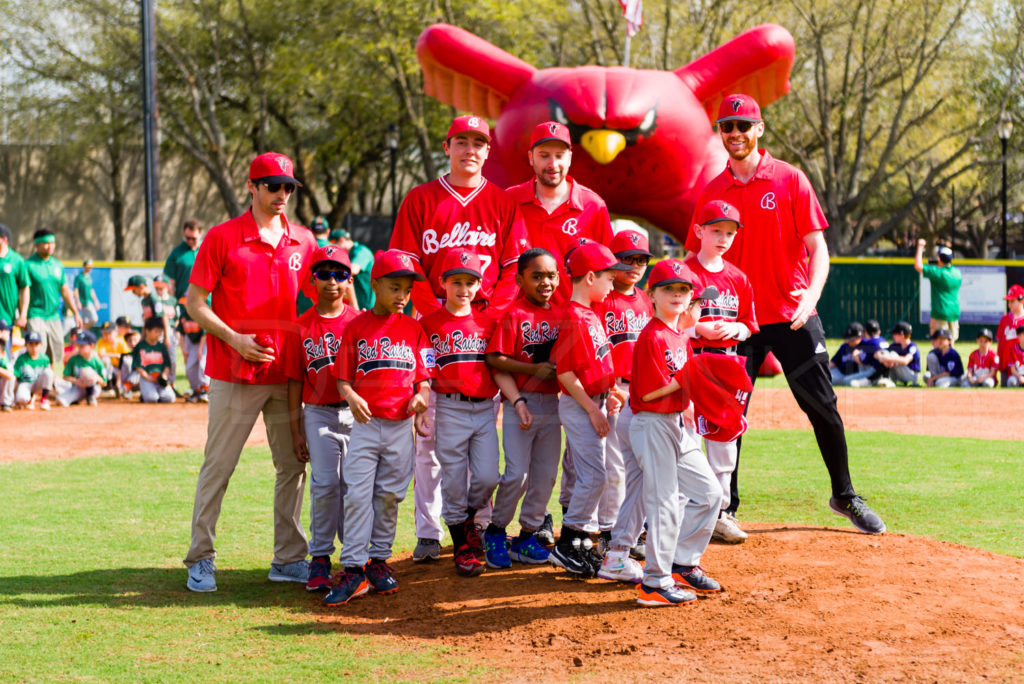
520,399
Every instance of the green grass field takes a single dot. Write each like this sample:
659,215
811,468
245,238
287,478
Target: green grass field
92,586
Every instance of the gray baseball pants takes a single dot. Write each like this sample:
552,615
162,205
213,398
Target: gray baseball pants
23,393
630,519
466,443
531,462
615,472
681,494
233,410
195,362
588,457
152,393
328,430
568,477
722,457
7,391
378,468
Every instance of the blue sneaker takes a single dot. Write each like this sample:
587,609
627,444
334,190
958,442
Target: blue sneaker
200,576
289,572
347,586
529,550
378,573
496,550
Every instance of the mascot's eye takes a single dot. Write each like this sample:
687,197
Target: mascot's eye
558,114
648,122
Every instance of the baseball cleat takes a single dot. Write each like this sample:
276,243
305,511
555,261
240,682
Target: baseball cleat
347,586
620,568
475,539
496,550
859,513
546,532
571,556
639,550
727,530
426,550
380,577
529,550
466,562
692,578
319,574
656,597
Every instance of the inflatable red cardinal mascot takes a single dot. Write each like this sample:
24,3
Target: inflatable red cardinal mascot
642,139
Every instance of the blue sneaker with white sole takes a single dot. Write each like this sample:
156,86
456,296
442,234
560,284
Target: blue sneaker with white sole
200,576
496,550
529,550
289,572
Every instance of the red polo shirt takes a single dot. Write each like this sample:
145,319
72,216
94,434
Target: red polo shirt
583,215
779,208
253,288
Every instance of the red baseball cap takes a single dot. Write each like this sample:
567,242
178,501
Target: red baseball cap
271,167
330,254
396,264
469,123
592,256
669,272
1016,292
717,211
461,261
550,131
627,243
738,108
719,387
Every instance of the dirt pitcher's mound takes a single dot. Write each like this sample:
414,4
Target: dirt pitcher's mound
800,604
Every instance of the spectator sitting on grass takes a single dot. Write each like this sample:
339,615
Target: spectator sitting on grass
944,365
902,358
844,365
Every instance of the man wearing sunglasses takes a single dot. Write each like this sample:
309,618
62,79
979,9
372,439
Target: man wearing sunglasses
251,267
783,252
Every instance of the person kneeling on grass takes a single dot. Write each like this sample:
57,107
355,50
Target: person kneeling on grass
84,372
151,365
33,374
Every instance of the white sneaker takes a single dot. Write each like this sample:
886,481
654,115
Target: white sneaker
860,382
885,382
728,530
618,566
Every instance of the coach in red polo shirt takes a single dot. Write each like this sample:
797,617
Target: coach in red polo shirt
251,268
783,252
559,211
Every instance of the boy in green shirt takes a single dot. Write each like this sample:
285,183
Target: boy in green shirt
33,373
83,373
151,364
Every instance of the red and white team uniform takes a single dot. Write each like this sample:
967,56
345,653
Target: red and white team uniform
660,352
460,344
583,348
527,333
437,216
624,317
735,302
1007,338
310,353
383,358
583,215
779,208
1015,357
244,276
976,362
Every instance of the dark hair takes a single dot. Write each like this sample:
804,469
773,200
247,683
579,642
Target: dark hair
192,224
5,232
529,255
42,232
872,326
153,322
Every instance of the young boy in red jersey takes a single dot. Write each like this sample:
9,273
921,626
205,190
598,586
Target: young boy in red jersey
724,322
1015,362
586,373
465,436
522,345
1007,332
320,420
625,312
681,493
982,363
382,368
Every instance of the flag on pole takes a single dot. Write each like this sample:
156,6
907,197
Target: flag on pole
633,11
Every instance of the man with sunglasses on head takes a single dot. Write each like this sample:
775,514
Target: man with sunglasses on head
559,211
251,268
783,252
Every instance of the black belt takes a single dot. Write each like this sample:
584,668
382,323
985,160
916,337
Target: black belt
340,404
728,351
463,397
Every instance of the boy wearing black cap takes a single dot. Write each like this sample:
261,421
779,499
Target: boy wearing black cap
944,365
83,373
902,358
982,363
151,365
844,365
33,373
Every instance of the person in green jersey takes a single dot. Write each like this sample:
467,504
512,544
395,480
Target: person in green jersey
13,282
33,373
178,269
47,287
945,279
84,374
151,364
7,380
362,263
85,296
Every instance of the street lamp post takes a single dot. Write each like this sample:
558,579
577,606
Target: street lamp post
1003,128
392,141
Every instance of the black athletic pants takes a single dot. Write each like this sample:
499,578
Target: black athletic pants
805,362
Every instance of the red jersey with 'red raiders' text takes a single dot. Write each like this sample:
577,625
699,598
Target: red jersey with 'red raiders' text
735,302
383,358
976,361
437,216
1007,334
527,333
583,348
624,316
460,343
253,290
658,355
779,208
310,352
583,215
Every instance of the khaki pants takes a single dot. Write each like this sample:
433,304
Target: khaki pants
952,326
52,332
234,408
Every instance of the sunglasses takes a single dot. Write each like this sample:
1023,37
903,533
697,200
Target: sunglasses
741,126
276,187
340,276
635,260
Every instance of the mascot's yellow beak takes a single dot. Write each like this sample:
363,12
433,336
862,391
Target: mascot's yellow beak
603,144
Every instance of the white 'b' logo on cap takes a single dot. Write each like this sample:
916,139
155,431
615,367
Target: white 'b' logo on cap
473,122
768,200
295,261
